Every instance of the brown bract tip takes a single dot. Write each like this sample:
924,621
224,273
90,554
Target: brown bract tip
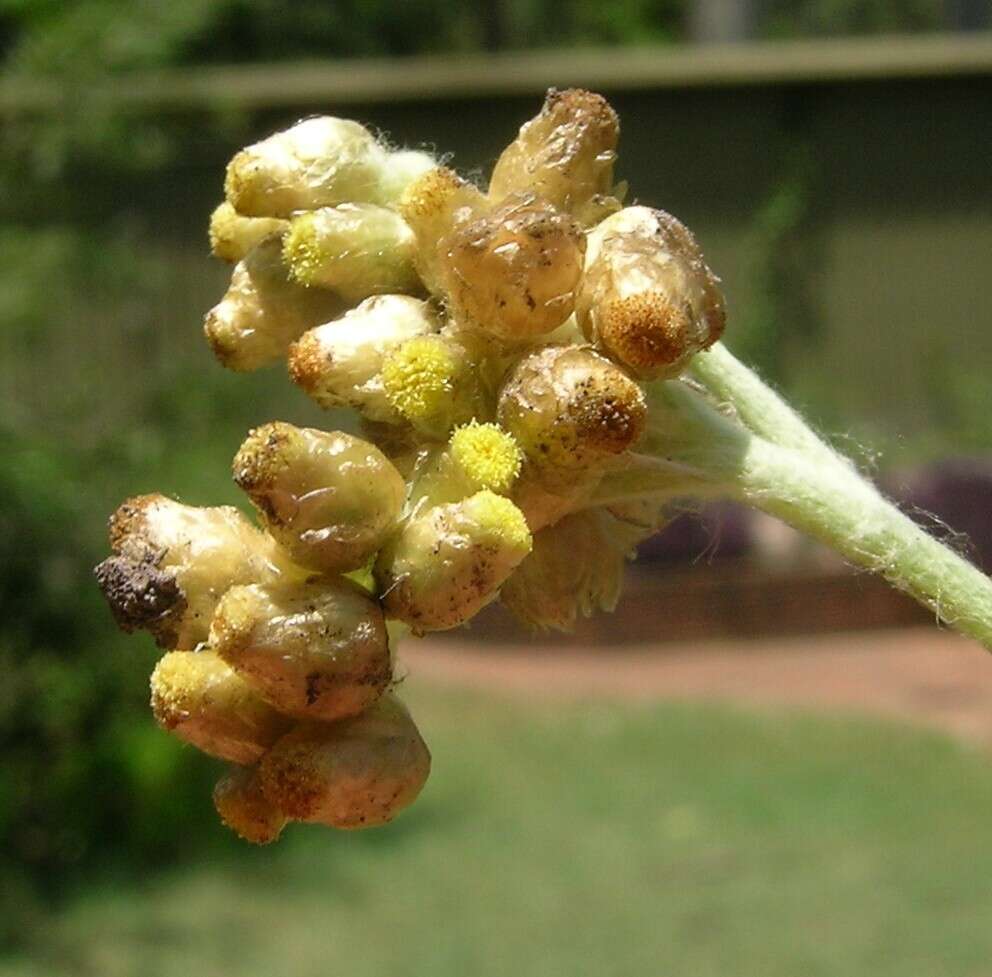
307,362
142,597
645,330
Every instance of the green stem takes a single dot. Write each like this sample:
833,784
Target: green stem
758,406
765,455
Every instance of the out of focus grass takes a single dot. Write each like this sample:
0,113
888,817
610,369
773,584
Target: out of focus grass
592,840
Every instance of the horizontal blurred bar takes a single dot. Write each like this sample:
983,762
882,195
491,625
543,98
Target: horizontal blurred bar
465,76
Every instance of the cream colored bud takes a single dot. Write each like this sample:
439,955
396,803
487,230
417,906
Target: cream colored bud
357,250
513,272
449,562
433,205
571,409
263,311
402,168
565,154
575,568
318,162
314,651
244,809
358,773
328,498
197,697
233,236
339,364
648,298
172,563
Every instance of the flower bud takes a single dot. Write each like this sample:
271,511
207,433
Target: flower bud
570,409
433,205
339,364
434,382
263,311
173,562
564,155
477,456
318,162
513,272
575,568
244,809
648,299
202,701
328,498
317,650
449,562
357,773
357,250
233,236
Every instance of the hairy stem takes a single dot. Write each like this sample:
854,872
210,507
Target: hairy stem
763,454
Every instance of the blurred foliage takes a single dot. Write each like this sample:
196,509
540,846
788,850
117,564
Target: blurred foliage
84,770
784,259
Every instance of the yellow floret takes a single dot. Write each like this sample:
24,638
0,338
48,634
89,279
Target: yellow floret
419,377
499,519
301,250
487,455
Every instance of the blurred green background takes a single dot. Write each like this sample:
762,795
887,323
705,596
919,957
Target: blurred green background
851,219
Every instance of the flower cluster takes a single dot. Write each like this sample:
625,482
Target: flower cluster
495,344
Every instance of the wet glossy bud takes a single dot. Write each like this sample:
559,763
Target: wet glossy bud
571,409
449,562
357,773
172,563
357,250
319,162
435,384
233,236
315,651
513,272
263,311
564,155
433,205
328,498
339,364
244,809
198,698
648,299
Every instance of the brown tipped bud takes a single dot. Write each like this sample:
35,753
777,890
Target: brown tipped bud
570,409
328,498
358,773
315,651
648,299
263,311
173,562
514,273
433,205
565,154
233,236
448,563
339,364
244,809
202,701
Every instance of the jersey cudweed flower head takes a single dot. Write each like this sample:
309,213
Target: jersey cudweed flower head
538,377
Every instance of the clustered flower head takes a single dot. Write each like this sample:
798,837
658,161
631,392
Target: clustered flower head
494,343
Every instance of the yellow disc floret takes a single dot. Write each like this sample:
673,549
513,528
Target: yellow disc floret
498,520
419,377
486,455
